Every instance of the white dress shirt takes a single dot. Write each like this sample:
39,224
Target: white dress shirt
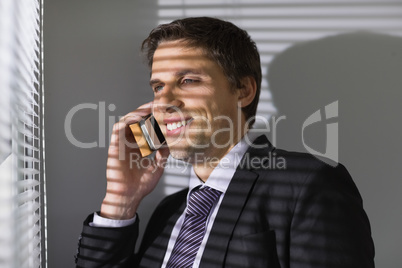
219,180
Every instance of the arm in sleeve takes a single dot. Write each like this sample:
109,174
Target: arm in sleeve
106,247
99,221
330,227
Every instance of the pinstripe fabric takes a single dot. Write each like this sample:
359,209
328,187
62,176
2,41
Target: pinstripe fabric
193,228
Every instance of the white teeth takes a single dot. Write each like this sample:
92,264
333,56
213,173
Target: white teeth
173,126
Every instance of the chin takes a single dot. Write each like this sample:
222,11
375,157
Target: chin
180,155
186,150
186,154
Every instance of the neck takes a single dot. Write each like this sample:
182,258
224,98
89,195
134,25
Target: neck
204,166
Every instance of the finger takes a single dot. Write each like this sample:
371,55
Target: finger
136,115
147,105
133,117
163,152
117,127
161,158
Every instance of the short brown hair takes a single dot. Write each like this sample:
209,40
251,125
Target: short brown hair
225,43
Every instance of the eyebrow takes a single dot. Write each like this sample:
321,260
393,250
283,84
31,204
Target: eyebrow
153,82
177,74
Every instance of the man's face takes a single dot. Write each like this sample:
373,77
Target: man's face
194,102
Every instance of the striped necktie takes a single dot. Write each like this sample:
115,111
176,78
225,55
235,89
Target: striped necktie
193,229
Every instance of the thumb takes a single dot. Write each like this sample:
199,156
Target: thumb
160,159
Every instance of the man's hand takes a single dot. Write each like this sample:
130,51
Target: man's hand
129,177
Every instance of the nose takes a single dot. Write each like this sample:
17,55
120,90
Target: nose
167,101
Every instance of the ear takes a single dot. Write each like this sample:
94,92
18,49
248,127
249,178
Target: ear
247,91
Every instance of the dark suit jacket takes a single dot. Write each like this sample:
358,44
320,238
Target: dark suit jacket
281,209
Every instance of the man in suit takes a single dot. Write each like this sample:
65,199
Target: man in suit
275,208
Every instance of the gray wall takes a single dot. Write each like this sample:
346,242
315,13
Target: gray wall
92,57
362,71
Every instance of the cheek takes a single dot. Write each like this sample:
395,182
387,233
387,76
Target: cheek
227,105
198,106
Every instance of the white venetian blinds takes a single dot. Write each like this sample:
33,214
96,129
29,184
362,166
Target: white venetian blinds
22,190
276,25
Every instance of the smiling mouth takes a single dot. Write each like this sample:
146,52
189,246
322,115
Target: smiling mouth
179,124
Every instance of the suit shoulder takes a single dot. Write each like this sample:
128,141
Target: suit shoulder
296,169
317,173
305,161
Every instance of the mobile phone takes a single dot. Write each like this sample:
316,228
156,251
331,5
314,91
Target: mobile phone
148,135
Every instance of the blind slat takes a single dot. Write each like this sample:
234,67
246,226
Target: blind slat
21,138
27,196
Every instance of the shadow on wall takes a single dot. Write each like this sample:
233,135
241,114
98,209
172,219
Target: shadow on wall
362,71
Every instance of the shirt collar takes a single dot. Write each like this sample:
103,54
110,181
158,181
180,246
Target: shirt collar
222,174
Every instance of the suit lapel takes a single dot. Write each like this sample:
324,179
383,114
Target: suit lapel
232,206
226,219
161,231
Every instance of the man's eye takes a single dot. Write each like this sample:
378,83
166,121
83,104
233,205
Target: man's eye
189,81
158,88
